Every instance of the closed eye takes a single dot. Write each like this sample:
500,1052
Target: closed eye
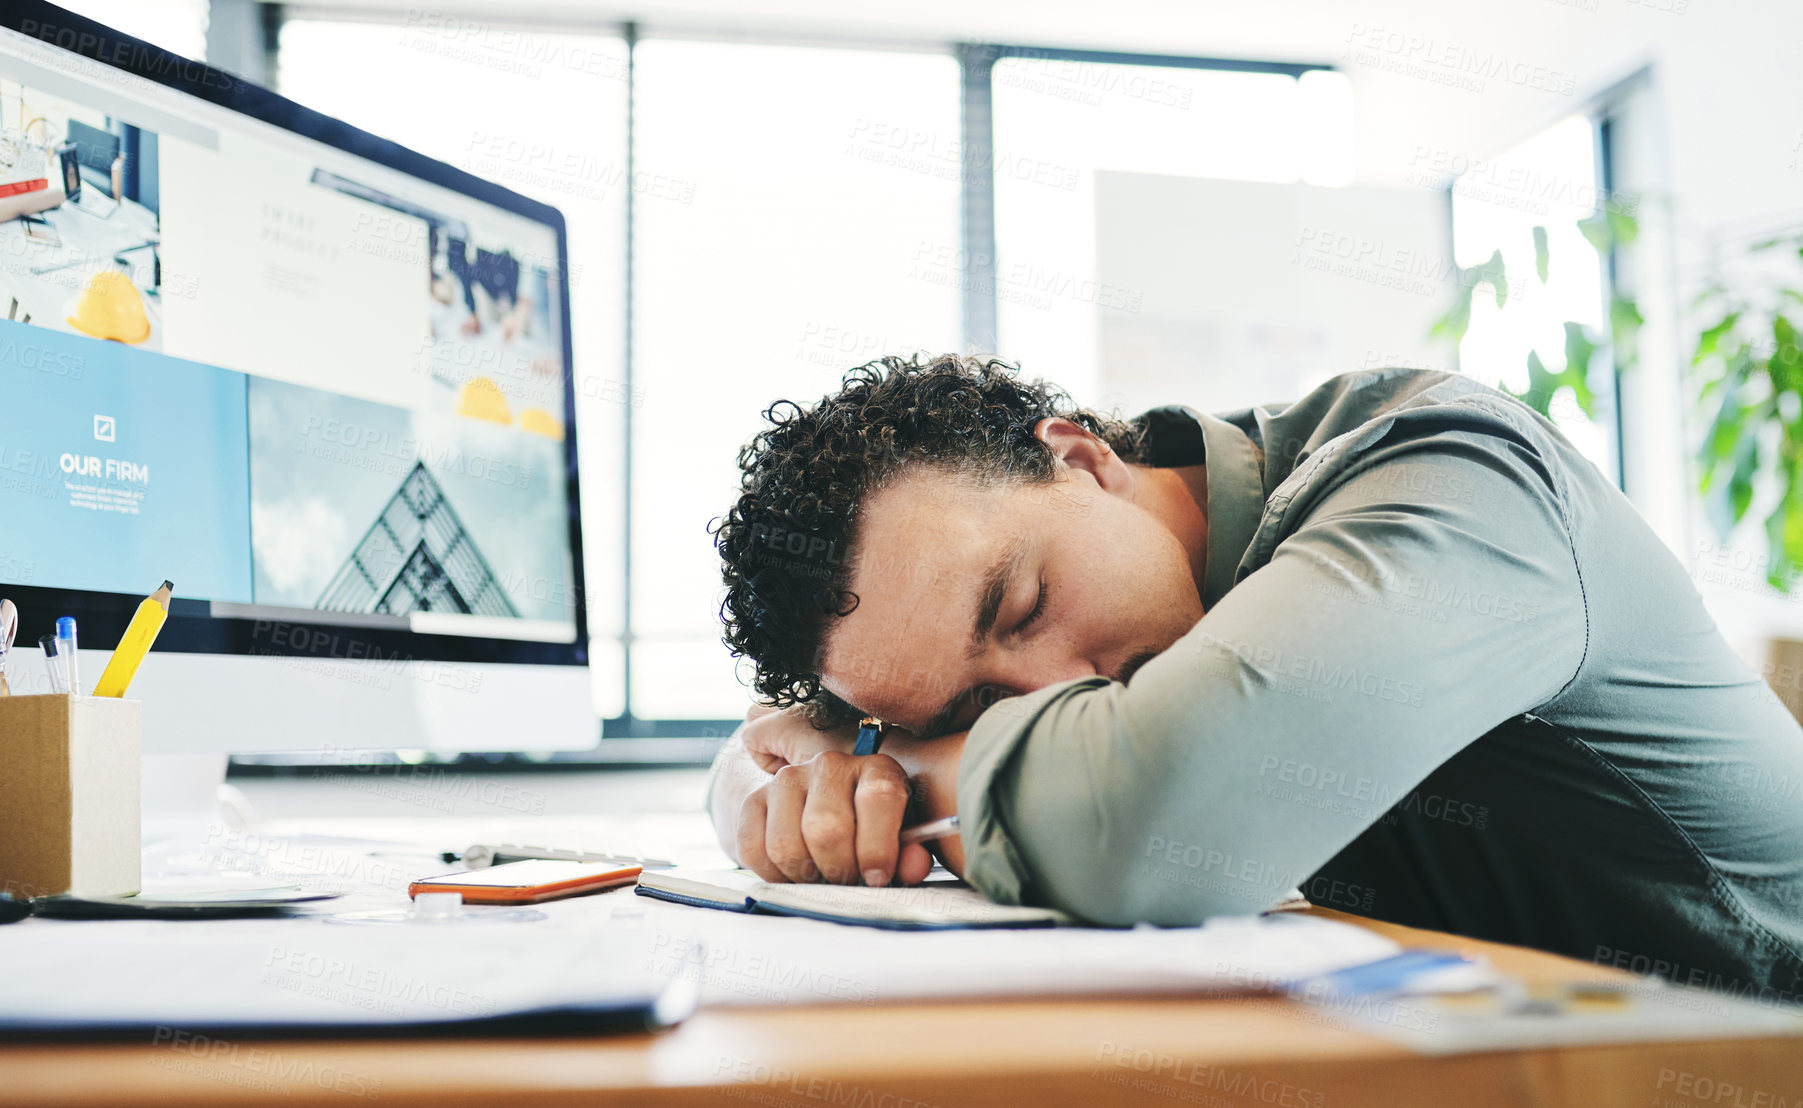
1038,610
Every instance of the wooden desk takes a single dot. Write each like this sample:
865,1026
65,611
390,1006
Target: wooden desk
1241,1052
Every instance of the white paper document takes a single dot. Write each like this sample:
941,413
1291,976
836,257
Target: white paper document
305,971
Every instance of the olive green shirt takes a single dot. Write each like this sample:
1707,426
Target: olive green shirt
1447,677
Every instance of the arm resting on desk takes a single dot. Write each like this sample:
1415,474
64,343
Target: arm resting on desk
1142,802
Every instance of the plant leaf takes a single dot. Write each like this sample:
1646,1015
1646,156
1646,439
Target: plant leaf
1724,431
1596,231
1740,482
1709,340
1624,331
1623,227
1578,350
1791,531
1540,258
1457,319
1542,385
1779,568
1498,279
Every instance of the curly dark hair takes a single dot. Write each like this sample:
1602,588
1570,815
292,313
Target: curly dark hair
786,544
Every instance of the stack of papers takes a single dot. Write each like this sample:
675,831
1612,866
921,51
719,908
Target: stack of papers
299,974
748,959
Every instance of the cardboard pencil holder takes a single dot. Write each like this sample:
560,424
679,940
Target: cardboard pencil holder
69,769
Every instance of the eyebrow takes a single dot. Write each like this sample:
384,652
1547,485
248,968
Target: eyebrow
995,589
989,606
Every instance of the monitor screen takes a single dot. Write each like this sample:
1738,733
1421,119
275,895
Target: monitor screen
318,381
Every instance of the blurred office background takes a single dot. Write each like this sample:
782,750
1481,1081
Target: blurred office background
1148,202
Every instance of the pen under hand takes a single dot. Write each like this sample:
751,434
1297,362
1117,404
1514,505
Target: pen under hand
938,829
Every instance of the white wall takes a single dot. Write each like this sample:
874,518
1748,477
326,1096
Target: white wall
1249,292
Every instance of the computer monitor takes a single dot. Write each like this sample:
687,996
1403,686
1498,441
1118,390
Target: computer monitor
319,381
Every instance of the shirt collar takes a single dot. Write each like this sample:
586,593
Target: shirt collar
1236,483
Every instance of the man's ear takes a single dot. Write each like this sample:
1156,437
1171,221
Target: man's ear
1083,451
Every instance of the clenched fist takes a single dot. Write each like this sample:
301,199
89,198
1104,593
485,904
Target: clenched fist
834,818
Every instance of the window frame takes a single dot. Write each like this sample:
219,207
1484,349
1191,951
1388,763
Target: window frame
1599,111
626,739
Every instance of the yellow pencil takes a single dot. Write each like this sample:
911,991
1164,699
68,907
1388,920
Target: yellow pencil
123,665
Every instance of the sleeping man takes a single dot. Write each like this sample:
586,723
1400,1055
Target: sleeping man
1396,643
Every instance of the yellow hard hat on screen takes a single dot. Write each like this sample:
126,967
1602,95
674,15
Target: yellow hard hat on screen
481,398
109,306
541,422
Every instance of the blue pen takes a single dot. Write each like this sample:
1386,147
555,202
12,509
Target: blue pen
870,736
65,649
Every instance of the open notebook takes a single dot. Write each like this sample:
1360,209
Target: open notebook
936,903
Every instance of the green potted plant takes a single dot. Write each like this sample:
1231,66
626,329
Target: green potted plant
1612,226
1749,373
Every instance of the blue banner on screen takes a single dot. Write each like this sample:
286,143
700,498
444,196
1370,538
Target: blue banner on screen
121,467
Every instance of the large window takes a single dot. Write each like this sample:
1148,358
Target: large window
750,220
1064,121
1551,181
176,25
790,195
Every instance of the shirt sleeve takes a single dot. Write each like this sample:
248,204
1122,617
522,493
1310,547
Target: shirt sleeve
1419,591
732,775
